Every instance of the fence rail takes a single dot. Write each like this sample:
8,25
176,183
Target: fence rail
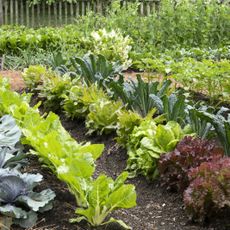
20,12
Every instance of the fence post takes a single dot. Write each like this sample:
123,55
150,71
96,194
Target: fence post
1,12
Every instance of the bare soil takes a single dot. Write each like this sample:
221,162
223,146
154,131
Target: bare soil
15,77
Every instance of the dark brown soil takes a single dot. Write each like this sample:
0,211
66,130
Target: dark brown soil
157,209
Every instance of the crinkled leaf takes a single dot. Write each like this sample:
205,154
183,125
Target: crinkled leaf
38,200
27,222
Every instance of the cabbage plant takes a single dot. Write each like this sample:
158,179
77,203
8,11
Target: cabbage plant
18,201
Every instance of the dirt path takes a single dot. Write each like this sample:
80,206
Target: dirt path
15,77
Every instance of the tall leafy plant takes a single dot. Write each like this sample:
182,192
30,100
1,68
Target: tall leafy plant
221,125
136,95
96,69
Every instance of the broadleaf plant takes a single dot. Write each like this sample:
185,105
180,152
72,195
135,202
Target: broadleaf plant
221,125
147,142
136,94
19,201
105,196
96,69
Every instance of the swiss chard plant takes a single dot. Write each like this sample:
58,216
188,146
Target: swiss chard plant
209,189
189,153
18,201
147,142
103,197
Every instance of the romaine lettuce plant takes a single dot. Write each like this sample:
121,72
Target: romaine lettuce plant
19,201
209,190
189,153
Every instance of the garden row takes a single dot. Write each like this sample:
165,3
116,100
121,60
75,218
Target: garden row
72,162
165,132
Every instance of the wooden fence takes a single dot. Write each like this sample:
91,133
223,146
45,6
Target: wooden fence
21,12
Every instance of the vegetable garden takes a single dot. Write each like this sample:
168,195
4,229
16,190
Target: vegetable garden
123,121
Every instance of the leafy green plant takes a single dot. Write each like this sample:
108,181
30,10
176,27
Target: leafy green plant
34,75
127,120
221,125
204,76
136,94
9,132
96,69
103,116
209,189
11,158
199,125
189,153
147,142
11,154
18,200
104,197
72,162
79,98
173,107
53,90
113,45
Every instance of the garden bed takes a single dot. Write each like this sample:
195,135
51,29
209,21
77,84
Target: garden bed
156,208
